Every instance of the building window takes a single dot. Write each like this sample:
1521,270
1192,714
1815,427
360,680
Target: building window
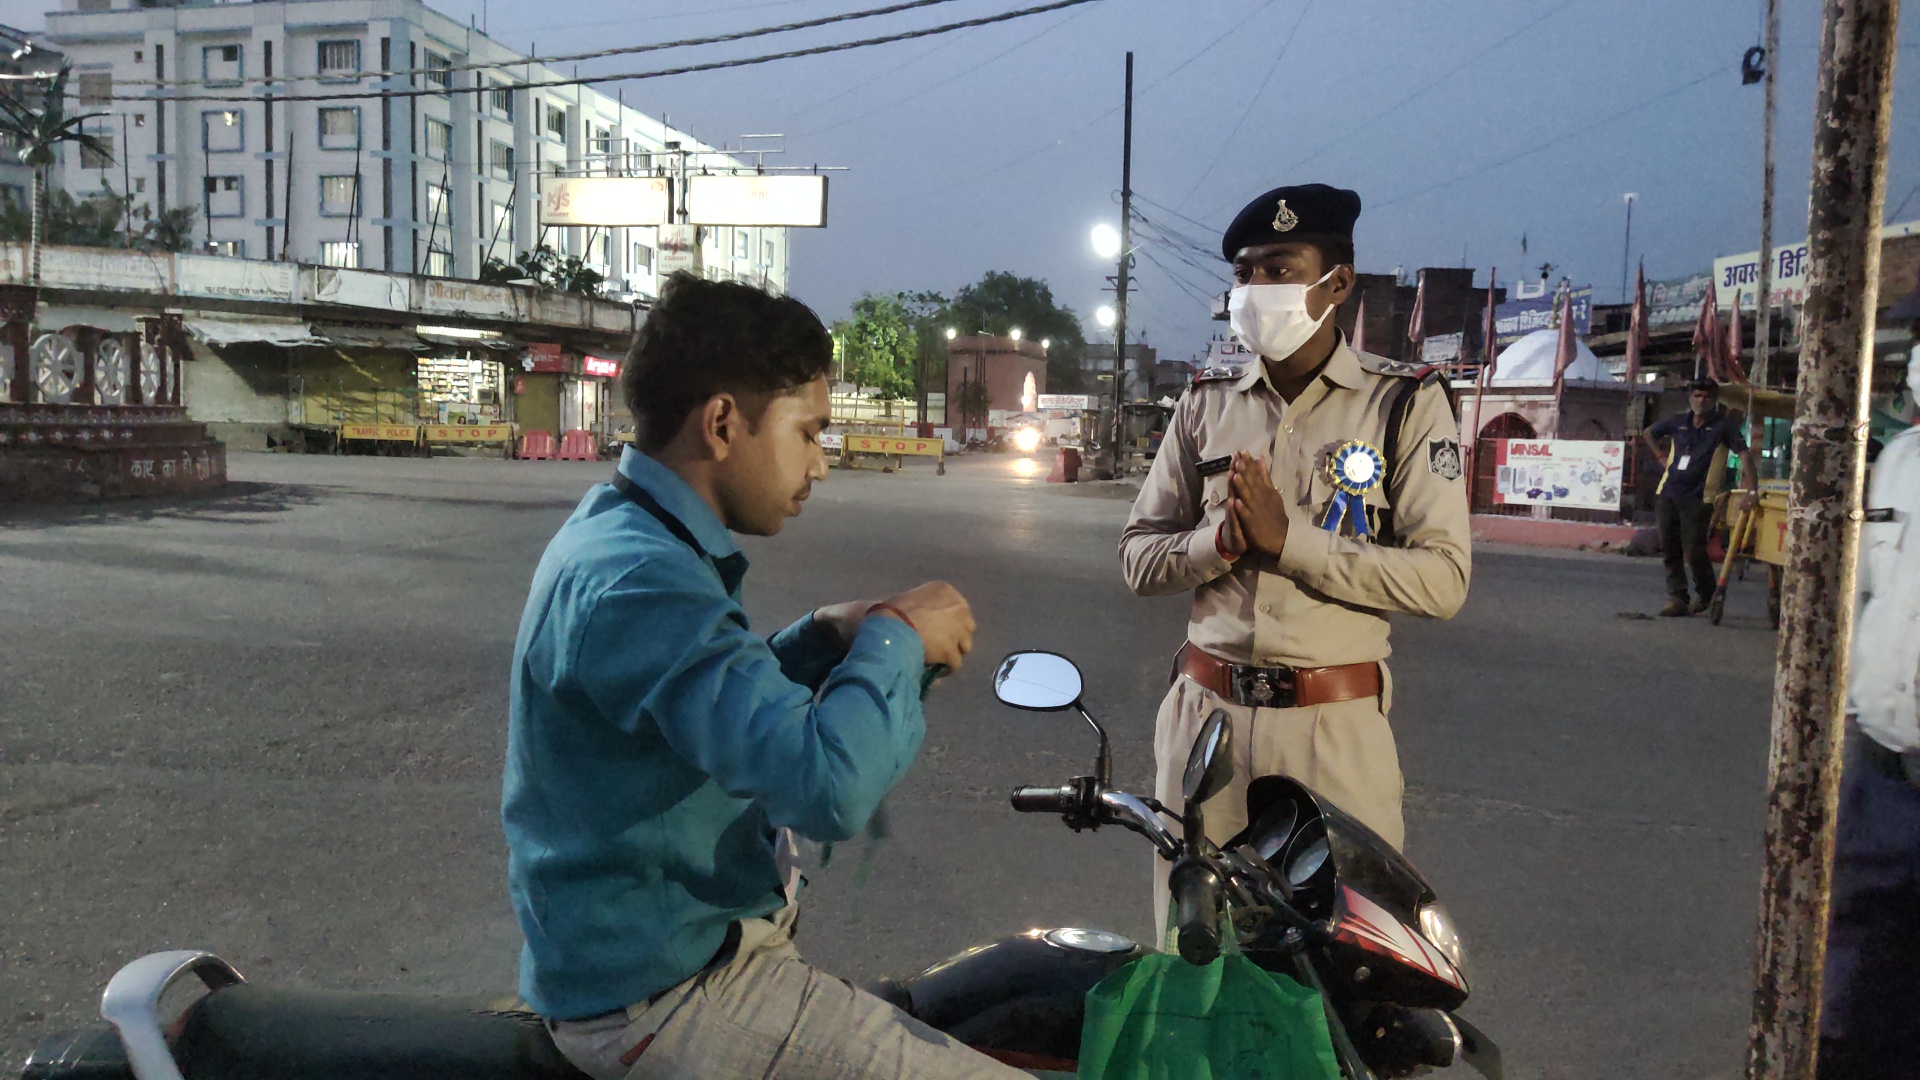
439,71
502,100
225,198
338,196
557,122
97,159
341,253
340,129
502,225
13,194
439,262
231,249
642,260
221,65
640,164
606,250
438,209
339,60
740,248
439,140
500,160
96,87
766,253
223,132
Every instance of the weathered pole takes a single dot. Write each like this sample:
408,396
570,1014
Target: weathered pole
1121,282
1829,466
1763,312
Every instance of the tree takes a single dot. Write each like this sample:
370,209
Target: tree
102,221
878,346
39,130
546,269
1001,301
972,402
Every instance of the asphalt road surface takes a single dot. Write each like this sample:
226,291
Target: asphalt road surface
271,724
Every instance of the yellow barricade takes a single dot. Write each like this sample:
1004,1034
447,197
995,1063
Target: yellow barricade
381,432
469,433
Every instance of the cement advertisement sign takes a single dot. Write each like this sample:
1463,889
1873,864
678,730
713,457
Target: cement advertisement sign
613,201
1558,472
679,250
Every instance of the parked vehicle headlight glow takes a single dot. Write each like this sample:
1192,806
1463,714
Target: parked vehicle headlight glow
1026,440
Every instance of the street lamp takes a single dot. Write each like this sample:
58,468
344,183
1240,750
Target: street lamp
952,333
1104,317
1046,343
1014,333
1106,241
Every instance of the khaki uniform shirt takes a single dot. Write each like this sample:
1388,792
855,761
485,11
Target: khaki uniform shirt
1324,600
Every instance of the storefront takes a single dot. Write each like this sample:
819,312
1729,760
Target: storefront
463,386
560,391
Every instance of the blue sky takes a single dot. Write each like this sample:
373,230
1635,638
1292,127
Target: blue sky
1463,125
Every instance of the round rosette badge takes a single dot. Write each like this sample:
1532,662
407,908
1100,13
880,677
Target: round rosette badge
1357,468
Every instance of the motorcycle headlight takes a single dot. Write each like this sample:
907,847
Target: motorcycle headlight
1438,928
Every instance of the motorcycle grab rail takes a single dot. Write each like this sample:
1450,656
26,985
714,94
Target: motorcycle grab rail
132,1005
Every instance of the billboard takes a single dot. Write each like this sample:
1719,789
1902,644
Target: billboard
679,250
606,200
1675,302
1558,472
1516,319
1064,402
1787,285
791,201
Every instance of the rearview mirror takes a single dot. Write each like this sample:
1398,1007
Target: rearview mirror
1039,681
1210,764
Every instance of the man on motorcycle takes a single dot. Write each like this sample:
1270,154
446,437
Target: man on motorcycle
657,748
1301,498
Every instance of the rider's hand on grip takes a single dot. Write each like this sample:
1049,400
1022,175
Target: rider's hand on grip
943,620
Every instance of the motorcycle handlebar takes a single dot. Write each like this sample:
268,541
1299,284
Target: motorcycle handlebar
1028,799
1196,898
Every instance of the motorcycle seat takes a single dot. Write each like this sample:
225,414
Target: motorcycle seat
244,1032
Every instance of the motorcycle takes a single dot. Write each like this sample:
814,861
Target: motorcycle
1307,891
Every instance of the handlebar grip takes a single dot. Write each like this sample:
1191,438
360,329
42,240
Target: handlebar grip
1028,799
1196,899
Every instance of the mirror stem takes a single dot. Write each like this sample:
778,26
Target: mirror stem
1103,768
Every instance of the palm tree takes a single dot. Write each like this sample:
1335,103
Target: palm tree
38,130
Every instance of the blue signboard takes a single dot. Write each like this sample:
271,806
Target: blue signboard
1516,319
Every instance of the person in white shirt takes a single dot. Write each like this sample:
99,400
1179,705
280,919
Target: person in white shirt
1870,1012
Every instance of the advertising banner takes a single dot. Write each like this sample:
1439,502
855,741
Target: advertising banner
792,201
1675,302
606,369
1558,472
613,201
1516,319
544,357
679,250
1741,274
1441,348
1064,402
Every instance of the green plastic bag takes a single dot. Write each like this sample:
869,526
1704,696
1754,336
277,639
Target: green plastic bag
1161,1018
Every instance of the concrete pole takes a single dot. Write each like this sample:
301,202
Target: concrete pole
1763,312
1120,284
1829,467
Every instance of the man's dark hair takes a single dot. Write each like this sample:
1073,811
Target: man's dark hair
1703,384
717,337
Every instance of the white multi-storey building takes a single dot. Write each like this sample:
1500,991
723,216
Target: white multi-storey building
427,157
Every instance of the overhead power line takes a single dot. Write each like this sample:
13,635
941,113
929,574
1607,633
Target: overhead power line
568,58
1252,100
657,73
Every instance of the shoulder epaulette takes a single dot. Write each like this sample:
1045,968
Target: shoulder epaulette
1219,373
1380,365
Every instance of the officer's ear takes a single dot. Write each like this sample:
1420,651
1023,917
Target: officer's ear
720,424
1341,283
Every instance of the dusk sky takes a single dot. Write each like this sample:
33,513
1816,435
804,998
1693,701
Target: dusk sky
1464,126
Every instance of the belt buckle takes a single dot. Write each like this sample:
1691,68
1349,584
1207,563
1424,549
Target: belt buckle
1265,688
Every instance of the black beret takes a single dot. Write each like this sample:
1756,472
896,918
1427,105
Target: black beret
1287,212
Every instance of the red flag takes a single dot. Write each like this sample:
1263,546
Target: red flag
1359,343
1417,324
1706,329
1637,327
1568,345
1736,368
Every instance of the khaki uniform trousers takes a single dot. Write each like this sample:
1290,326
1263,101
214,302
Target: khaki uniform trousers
1343,750
767,1013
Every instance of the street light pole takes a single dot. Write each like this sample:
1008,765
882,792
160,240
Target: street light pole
1120,284
1823,532
1626,249
1763,314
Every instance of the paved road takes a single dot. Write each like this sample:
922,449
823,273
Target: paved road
271,725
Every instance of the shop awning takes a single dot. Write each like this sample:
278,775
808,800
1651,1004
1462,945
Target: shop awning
370,337
112,320
284,332
498,344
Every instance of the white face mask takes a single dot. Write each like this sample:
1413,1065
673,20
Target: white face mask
1272,320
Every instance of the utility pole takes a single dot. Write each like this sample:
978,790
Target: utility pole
1763,312
1823,532
1626,250
1120,282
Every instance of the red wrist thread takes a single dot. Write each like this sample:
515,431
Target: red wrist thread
896,613
1222,552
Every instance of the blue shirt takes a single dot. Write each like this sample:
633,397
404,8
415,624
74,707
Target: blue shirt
1693,445
654,745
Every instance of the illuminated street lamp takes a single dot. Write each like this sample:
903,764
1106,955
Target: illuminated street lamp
952,333
1106,241
1046,343
1104,317
1014,333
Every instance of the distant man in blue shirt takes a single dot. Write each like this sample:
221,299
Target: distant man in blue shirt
1682,507
657,748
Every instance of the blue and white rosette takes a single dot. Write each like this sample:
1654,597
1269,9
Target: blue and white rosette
1357,468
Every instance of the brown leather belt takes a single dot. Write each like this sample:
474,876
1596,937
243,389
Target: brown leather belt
1277,687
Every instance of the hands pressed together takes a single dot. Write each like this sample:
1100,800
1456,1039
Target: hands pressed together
936,611
1256,514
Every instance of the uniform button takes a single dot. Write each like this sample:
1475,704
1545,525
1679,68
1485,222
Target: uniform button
1266,609
1289,429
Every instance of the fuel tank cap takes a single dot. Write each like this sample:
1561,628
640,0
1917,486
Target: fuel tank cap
1093,941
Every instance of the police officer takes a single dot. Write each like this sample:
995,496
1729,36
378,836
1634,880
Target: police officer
1301,497
1685,514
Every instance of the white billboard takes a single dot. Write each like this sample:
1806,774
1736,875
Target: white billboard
606,200
793,201
1065,402
679,249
